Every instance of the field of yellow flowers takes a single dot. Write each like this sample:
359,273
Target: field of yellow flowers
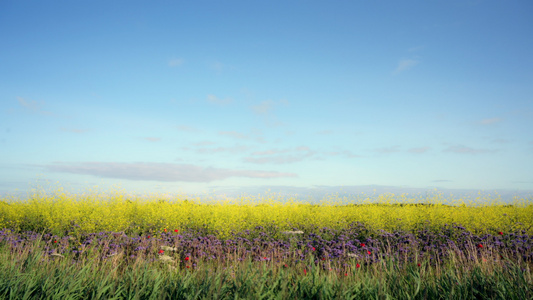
124,247
60,213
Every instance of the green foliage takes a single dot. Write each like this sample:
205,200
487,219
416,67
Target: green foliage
30,276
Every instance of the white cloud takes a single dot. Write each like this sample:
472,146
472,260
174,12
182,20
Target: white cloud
166,172
405,64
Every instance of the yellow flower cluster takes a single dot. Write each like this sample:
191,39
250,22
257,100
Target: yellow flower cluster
62,214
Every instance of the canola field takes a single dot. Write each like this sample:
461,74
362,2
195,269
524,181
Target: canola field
60,213
444,246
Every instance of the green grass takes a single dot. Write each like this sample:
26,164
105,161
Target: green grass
31,275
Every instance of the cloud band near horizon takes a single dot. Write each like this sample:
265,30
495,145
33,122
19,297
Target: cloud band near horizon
166,172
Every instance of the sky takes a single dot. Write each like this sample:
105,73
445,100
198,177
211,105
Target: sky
221,97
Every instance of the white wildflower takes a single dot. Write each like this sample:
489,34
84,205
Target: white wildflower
293,232
167,248
166,258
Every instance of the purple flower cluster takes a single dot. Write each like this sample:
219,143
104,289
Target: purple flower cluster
323,245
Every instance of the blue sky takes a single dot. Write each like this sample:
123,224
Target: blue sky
242,96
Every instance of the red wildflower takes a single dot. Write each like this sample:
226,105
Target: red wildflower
161,251
418,265
345,274
165,230
480,246
187,258
314,249
305,271
175,230
368,252
362,244
148,236
358,266
55,242
500,233
285,265
264,257
188,267
323,258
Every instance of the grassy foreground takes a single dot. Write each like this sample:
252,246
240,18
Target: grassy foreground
31,276
62,247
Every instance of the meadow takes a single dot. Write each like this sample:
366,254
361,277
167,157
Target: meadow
116,246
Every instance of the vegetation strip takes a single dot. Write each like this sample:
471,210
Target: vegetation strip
51,254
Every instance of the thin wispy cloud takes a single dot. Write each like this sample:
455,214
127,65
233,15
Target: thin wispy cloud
344,153
500,141
233,134
264,107
74,130
277,151
204,143
419,150
152,139
236,149
33,106
217,66
270,152
416,49
167,172
325,132
272,157
386,150
490,121
175,62
405,64
467,150
267,106
188,129
286,159
215,100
